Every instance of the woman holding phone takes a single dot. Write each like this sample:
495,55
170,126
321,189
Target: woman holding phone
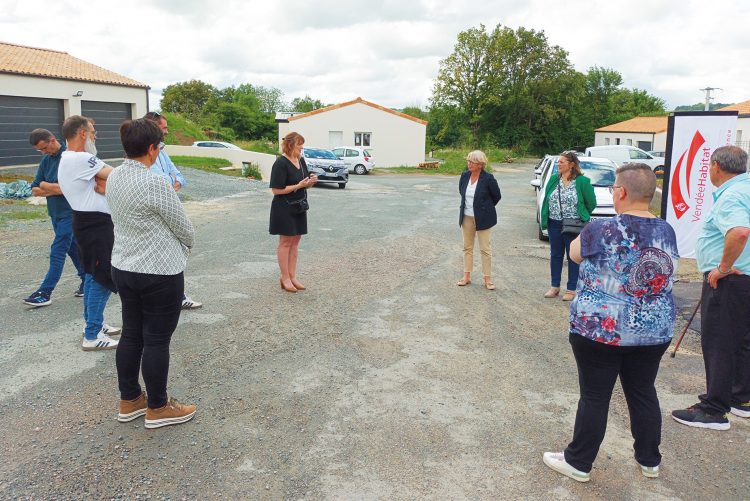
289,182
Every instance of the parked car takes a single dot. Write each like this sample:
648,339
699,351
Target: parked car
544,162
216,144
623,154
601,172
358,159
328,167
659,154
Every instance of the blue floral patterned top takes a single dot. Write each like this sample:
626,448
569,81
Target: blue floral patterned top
624,292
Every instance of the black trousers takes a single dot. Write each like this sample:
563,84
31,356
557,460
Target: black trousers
725,339
151,306
598,367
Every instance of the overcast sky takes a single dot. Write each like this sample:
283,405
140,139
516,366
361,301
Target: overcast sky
386,51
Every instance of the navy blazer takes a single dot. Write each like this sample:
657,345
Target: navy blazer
486,196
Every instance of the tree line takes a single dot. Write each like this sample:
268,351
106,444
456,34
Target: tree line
503,88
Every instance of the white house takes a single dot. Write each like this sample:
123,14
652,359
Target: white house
742,138
646,133
394,138
42,87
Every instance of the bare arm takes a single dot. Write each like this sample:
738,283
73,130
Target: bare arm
46,189
101,179
305,183
575,250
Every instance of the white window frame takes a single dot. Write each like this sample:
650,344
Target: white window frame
359,139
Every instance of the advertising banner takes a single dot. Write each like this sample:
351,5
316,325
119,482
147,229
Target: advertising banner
687,193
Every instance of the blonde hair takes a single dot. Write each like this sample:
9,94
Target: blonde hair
477,157
290,141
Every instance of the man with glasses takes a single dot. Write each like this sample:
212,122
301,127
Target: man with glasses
166,168
723,256
82,177
61,215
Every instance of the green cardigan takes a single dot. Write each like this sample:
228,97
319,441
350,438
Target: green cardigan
586,198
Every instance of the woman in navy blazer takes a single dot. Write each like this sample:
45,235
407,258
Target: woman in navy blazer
479,195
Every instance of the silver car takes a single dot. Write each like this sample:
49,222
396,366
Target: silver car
328,167
601,172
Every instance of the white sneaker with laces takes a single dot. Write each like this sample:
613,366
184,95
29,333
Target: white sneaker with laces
102,342
556,461
189,304
111,331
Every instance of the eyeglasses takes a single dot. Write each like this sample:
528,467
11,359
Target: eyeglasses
612,188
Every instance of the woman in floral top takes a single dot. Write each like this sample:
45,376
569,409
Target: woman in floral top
621,322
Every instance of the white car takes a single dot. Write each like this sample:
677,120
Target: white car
358,159
216,144
601,172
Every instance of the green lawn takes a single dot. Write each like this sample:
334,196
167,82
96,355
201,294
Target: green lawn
207,164
19,210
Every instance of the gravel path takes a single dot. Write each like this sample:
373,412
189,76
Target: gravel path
382,381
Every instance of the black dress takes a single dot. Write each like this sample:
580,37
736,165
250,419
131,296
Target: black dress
283,221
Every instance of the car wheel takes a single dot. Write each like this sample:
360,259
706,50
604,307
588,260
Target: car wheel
360,169
542,236
342,185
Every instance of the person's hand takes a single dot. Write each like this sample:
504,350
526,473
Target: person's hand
313,179
177,186
715,275
101,185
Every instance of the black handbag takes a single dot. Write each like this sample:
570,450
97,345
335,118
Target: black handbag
571,225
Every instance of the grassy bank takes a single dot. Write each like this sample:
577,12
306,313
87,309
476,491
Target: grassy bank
206,164
452,162
19,210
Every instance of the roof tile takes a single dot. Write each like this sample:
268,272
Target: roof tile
649,125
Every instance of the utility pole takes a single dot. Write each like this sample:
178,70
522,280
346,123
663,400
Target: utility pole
708,90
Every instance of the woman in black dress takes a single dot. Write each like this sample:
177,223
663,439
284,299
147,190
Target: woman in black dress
289,182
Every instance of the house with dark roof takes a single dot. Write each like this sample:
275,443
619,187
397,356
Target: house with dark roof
394,138
42,87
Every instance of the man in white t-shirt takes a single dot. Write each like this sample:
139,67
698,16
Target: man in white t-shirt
82,178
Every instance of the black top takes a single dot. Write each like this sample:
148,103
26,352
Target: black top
486,196
283,220
284,173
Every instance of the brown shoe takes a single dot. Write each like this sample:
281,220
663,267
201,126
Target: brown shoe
552,292
569,295
131,409
172,413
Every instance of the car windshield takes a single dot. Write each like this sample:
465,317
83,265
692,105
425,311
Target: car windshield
366,153
600,174
320,154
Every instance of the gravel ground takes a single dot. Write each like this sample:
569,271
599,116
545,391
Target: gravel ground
382,381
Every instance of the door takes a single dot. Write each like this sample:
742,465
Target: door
107,120
335,139
18,117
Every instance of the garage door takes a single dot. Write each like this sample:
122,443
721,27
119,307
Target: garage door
18,117
107,118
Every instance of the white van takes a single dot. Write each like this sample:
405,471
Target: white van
623,154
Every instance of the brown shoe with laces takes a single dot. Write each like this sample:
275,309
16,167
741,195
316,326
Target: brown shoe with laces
131,409
172,413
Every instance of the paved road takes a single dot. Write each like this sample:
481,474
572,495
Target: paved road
382,381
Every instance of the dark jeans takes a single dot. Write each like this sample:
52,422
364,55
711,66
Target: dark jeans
598,367
151,306
63,244
725,339
559,246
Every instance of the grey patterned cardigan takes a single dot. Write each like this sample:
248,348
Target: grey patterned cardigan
152,231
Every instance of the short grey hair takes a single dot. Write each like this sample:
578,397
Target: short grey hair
477,157
638,180
731,159
38,135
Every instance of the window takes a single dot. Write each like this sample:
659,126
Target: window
362,138
352,153
638,155
606,141
339,152
629,142
617,140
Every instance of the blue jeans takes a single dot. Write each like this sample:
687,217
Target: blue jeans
559,246
95,297
63,244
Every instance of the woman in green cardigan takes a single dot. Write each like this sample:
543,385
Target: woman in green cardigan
570,198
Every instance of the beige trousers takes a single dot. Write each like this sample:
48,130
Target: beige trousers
469,229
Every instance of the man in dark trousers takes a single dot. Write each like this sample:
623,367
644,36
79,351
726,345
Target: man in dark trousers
724,259
61,216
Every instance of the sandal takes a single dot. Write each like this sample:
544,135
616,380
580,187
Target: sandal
489,286
463,282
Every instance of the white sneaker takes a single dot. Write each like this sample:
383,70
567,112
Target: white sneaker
189,304
111,331
649,471
556,461
102,342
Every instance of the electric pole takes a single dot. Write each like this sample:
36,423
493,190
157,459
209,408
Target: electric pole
708,90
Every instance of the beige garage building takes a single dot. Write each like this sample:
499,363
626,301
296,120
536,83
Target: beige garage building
395,138
42,87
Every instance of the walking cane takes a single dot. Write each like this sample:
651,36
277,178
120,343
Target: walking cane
685,329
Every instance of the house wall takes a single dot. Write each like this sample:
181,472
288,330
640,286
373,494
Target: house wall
263,160
743,133
52,88
395,141
658,140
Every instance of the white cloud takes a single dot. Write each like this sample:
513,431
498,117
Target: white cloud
387,50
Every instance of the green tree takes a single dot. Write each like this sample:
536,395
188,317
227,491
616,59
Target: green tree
187,98
306,104
416,112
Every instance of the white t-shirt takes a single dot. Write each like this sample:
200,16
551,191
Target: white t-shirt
76,178
471,188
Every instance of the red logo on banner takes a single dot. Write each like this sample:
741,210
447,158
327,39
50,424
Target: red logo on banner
682,171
